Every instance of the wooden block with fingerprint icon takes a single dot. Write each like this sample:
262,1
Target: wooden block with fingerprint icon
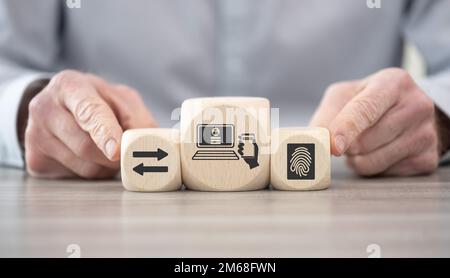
150,159
225,143
300,159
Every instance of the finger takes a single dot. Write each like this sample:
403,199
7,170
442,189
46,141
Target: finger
77,140
131,113
381,159
91,112
334,99
362,112
40,166
412,109
85,169
421,164
391,125
81,168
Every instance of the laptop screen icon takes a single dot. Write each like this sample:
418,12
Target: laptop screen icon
218,139
215,136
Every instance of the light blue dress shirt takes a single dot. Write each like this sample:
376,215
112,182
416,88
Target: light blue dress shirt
286,50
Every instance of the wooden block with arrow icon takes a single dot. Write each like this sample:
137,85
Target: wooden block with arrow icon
150,160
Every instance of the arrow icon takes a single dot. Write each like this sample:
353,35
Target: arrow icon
159,154
141,169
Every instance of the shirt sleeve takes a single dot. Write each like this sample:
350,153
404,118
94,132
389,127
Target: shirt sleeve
427,26
28,51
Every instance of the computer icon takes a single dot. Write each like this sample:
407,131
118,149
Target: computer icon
215,142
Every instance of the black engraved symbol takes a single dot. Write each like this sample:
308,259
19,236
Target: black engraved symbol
300,161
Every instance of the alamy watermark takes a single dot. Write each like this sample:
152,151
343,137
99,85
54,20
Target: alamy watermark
226,122
373,250
73,250
373,4
73,4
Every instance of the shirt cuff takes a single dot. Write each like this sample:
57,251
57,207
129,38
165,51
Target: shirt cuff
10,97
438,91
445,158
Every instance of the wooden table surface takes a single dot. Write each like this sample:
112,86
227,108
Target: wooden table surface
403,216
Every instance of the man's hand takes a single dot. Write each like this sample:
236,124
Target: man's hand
385,124
75,125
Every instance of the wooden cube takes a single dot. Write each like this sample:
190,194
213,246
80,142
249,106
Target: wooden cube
150,159
300,159
225,143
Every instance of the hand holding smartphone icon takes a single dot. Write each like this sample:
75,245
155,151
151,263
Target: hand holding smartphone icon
248,149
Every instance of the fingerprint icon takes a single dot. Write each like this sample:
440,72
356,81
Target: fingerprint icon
300,161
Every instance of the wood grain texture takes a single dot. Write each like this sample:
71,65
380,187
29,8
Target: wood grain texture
150,160
300,158
406,217
239,117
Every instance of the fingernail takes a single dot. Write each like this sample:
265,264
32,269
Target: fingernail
110,148
339,141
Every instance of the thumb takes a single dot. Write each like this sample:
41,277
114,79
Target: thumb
334,99
126,104
130,108
94,116
362,112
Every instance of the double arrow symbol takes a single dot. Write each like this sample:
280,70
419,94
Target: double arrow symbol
141,169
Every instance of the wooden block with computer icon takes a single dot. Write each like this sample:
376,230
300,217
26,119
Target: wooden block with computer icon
300,158
225,143
150,160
